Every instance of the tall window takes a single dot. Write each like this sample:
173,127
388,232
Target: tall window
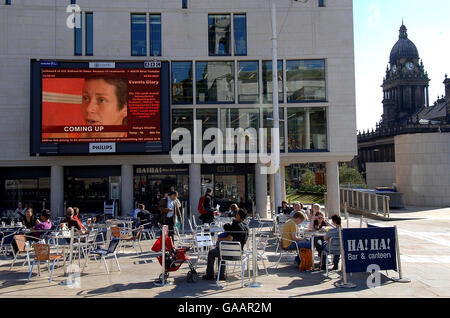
215,82
248,81
267,81
240,34
138,34
182,118
240,118
219,34
78,34
268,123
307,129
305,80
182,83
155,34
208,116
89,34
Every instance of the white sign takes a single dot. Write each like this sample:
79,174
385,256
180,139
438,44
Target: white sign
152,64
102,147
102,64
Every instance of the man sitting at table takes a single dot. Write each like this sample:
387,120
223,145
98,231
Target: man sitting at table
237,232
289,233
70,220
76,217
42,225
298,208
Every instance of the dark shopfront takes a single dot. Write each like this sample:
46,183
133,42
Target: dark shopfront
29,185
231,184
89,187
151,182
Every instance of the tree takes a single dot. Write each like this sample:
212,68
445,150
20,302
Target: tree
308,178
350,175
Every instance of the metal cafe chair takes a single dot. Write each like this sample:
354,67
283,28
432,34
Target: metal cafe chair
203,243
23,247
42,254
231,252
285,251
111,251
5,242
334,248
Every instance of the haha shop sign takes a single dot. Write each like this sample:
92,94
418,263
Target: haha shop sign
369,246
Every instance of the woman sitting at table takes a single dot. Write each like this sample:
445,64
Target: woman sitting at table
319,221
29,220
42,225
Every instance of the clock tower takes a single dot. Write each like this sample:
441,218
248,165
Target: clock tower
405,86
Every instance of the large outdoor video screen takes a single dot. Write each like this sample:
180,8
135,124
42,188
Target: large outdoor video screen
83,105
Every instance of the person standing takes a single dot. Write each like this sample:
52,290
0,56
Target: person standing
206,209
170,208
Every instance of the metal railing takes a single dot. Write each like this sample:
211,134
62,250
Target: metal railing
365,201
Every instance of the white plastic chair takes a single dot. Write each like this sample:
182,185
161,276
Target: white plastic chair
203,244
231,252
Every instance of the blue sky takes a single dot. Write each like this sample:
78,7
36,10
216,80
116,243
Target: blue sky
376,24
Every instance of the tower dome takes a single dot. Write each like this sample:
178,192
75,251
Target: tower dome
404,48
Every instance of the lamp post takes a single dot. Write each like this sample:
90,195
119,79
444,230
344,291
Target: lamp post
276,114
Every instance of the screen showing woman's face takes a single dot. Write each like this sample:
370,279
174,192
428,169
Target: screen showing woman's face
100,105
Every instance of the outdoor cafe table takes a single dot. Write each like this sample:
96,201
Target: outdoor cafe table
55,236
311,235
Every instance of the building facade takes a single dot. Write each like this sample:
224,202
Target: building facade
219,54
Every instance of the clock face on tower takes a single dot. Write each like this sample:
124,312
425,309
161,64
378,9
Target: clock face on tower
410,66
394,68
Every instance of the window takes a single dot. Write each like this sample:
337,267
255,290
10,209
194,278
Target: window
8,2
208,116
78,34
305,80
248,81
184,4
182,91
240,34
268,123
267,81
138,34
321,3
215,82
219,33
240,118
182,118
155,34
89,34
307,129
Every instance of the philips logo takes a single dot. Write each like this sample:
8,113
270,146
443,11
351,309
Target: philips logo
102,148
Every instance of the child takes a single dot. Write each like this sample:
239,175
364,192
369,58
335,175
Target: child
226,228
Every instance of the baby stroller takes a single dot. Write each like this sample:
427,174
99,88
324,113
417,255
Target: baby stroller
174,258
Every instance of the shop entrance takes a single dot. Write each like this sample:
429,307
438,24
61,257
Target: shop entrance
231,184
151,182
89,187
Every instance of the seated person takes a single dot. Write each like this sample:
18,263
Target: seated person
143,215
71,222
234,208
318,221
76,214
238,232
332,233
315,208
135,212
226,228
289,238
29,220
42,225
285,208
298,207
